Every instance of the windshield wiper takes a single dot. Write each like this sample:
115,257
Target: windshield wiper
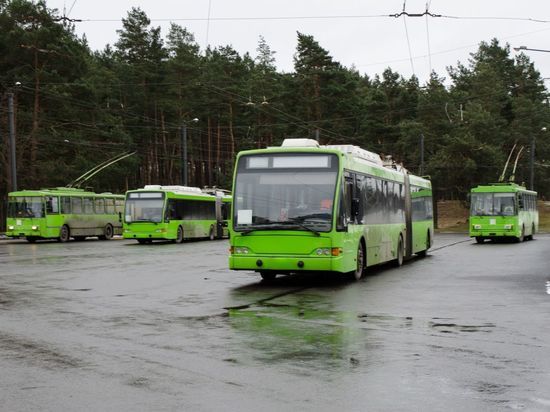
279,225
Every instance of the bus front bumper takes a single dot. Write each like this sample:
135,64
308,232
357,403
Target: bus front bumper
285,264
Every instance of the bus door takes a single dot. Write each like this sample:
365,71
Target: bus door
219,217
408,217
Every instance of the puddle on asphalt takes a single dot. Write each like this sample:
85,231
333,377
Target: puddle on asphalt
548,287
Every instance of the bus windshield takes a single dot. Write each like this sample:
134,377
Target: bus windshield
285,191
25,206
144,207
493,204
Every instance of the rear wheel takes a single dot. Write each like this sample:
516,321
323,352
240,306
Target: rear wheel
532,235
480,239
400,252
31,239
64,234
179,235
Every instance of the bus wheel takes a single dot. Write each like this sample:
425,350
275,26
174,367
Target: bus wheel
108,232
521,237
424,252
480,239
142,241
359,271
268,276
400,252
211,235
31,239
64,234
179,235
532,235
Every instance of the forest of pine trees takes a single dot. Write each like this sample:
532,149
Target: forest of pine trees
75,108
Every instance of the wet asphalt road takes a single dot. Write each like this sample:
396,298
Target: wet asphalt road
117,326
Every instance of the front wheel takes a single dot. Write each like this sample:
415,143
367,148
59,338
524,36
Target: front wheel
479,239
359,271
108,232
179,235
31,239
521,237
64,234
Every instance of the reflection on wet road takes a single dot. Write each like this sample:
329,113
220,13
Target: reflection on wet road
120,326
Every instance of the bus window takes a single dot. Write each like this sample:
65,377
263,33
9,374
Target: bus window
88,205
99,205
76,205
119,205
110,206
65,204
52,205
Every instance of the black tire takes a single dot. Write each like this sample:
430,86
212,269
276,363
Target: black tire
424,252
360,259
521,237
480,239
268,276
179,235
64,234
31,239
400,252
142,241
532,235
108,232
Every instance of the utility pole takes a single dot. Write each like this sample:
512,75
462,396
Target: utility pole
421,154
532,164
11,125
184,151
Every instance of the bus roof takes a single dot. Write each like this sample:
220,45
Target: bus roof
508,187
356,158
185,191
62,191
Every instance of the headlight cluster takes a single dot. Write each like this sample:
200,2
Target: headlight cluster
477,227
508,227
323,251
160,230
34,227
11,227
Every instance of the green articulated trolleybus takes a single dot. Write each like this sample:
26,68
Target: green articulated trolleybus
62,213
503,210
339,208
175,213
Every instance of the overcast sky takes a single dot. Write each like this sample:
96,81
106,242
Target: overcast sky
347,29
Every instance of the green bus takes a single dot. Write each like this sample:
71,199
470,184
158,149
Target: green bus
503,210
61,213
307,207
175,213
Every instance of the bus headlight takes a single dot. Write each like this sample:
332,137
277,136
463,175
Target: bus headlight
508,227
160,230
477,227
323,251
34,227
11,227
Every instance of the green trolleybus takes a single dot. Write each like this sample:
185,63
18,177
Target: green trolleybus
175,213
339,208
62,213
503,210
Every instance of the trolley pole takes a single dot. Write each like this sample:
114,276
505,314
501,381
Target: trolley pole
11,125
421,154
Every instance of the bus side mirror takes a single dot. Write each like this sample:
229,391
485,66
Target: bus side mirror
120,217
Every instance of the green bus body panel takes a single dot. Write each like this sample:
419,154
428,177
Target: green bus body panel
283,250
49,226
169,230
504,226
